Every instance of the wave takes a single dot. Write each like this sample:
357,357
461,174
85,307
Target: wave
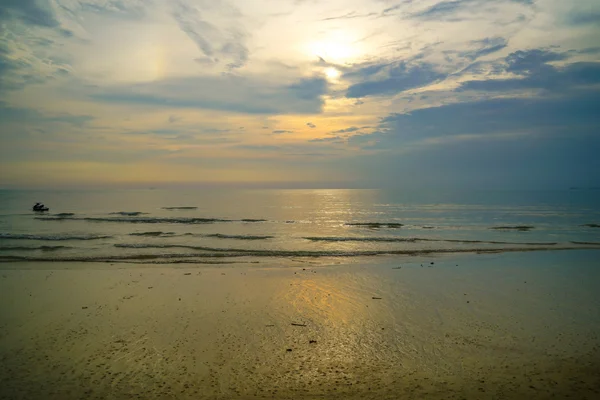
148,220
412,240
591,225
142,220
309,253
233,253
360,239
23,236
179,208
156,233
128,213
522,228
238,237
375,225
42,248
63,215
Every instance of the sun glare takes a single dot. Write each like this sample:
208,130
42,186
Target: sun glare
332,73
336,48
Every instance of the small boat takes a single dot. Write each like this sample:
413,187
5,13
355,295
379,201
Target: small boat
40,207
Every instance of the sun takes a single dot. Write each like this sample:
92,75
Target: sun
334,48
332,73
332,51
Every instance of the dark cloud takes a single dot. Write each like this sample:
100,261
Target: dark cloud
584,18
400,77
311,125
35,12
536,73
504,115
524,162
531,61
281,131
510,142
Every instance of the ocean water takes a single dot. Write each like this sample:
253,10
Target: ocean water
247,226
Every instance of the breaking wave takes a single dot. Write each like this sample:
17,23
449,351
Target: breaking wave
413,240
239,237
522,228
23,236
148,220
128,213
222,253
153,234
42,248
142,220
375,225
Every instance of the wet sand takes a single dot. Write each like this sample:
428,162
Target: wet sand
499,326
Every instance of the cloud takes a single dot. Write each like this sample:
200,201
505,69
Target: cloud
486,46
347,130
121,8
161,132
216,42
531,61
333,139
311,125
449,9
280,131
497,116
441,9
398,78
36,12
584,18
350,15
29,115
226,93
535,72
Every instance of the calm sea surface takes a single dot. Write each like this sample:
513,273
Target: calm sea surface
230,226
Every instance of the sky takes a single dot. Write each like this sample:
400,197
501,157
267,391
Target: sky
300,93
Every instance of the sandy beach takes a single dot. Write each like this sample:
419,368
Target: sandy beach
498,326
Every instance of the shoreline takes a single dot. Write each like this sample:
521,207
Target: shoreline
504,325
221,256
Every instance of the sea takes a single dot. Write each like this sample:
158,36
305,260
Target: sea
229,226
